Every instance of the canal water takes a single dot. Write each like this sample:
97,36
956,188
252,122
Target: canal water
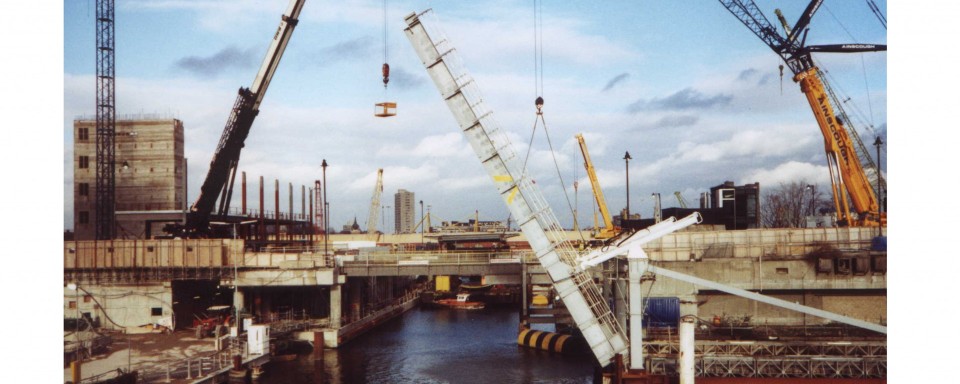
436,346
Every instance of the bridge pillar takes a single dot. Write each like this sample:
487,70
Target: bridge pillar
619,300
524,297
687,328
336,306
355,297
237,298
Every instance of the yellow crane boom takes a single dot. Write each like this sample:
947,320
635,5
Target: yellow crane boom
608,230
847,176
855,201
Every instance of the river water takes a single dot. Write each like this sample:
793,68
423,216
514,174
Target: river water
436,346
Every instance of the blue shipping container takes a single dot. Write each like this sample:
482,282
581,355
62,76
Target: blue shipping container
878,243
661,312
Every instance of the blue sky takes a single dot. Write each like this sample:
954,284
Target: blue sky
683,86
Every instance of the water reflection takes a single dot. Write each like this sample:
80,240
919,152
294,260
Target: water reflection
436,346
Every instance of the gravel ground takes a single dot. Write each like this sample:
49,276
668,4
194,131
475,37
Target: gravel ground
144,351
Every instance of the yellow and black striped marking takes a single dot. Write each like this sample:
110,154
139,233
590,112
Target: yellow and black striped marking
545,341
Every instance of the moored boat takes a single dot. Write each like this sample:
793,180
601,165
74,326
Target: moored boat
461,302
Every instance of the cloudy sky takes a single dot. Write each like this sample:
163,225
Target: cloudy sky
689,91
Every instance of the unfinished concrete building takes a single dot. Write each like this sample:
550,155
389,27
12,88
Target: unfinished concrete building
151,178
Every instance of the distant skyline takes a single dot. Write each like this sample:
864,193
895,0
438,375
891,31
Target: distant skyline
689,91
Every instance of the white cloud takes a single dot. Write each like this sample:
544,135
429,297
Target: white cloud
434,146
316,112
791,171
213,15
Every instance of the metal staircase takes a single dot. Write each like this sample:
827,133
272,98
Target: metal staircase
589,310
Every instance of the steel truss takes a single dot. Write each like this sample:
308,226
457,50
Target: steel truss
106,122
854,360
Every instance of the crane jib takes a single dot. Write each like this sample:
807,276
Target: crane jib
832,124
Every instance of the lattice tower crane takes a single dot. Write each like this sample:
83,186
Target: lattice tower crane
375,203
680,199
851,188
106,123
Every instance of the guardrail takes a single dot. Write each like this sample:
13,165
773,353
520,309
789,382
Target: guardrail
218,253
437,258
197,367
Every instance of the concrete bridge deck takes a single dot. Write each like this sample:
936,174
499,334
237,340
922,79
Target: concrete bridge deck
218,253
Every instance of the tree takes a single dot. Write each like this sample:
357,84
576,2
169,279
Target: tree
788,205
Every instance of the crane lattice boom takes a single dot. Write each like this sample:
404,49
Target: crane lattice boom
375,203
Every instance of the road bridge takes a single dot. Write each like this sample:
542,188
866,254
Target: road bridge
829,268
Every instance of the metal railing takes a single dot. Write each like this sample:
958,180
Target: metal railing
197,367
438,258
389,306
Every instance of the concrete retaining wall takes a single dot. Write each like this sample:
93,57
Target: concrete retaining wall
130,306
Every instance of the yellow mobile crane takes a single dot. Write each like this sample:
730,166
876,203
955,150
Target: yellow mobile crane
849,182
608,231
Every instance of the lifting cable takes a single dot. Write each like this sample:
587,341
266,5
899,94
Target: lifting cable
863,64
386,67
538,85
386,108
876,11
830,82
538,49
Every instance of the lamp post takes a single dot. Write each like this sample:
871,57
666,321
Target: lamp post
75,366
421,222
626,158
326,212
812,207
236,275
878,143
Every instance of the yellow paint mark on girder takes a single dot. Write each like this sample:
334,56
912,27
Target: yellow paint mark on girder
513,193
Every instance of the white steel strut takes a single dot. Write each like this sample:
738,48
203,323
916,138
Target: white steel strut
638,263
523,198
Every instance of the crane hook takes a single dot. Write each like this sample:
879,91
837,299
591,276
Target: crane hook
781,79
386,74
539,104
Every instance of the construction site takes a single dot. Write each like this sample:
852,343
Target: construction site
164,281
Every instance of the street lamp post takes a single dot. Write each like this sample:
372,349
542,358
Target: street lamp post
878,143
326,213
75,366
236,274
626,158
421,222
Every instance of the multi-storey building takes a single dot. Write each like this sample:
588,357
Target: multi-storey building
404,208
151,179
